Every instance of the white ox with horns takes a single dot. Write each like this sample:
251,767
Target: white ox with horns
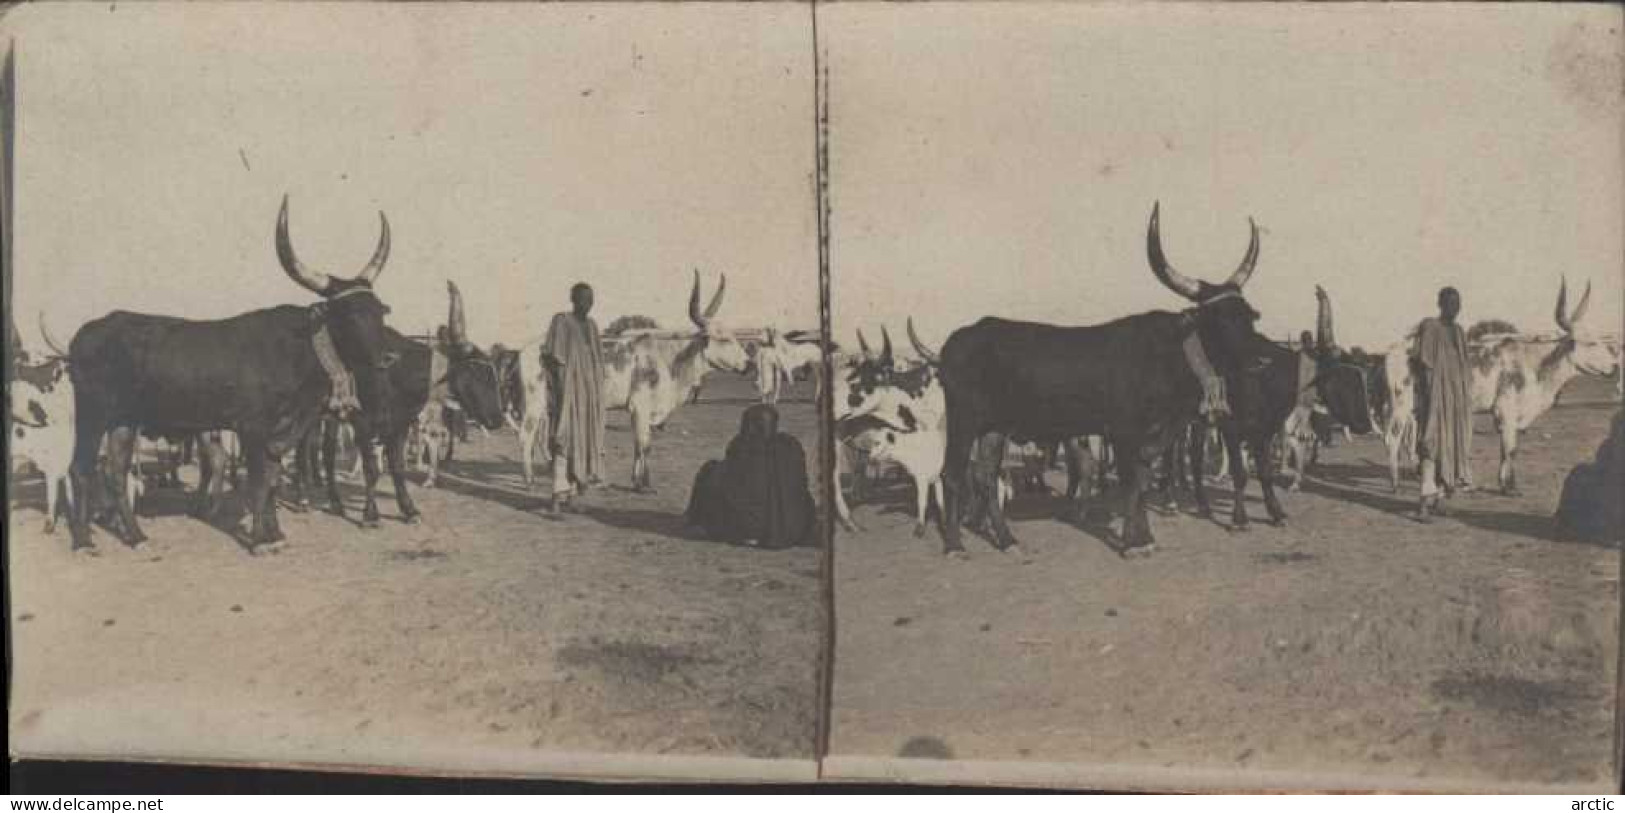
649,375
784,356
1515,378
41,406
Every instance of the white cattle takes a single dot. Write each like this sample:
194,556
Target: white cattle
42,409
649,375
1515,378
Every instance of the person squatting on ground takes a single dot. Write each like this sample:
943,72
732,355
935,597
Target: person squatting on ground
758,493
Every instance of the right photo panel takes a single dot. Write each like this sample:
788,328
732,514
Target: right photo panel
1227,396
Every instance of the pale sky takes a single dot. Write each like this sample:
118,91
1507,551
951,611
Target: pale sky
515,148
1003,159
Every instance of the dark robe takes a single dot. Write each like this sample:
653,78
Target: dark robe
1590,509
758,493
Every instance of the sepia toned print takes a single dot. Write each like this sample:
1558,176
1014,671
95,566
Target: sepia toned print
372,369
1181,343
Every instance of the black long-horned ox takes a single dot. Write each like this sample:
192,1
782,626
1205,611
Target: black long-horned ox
1129,380
1263,391
257,374
422,380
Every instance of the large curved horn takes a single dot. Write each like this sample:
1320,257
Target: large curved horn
315,281
863,346
716,298
45,333
380,255
885,345
1562,315
1176,282
456,322
1245,270
694,314
919,346
1580,309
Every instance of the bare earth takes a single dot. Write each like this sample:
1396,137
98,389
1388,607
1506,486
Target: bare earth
484,638
1354,642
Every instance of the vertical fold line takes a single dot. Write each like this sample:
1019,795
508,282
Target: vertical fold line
826,447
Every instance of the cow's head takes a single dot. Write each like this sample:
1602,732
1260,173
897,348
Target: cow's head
1224,319
354,315
721,350
1342,388
44,375
510,386
1591,355
869,371
472,377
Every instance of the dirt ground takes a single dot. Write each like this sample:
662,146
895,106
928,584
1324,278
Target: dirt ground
1353,642
486,635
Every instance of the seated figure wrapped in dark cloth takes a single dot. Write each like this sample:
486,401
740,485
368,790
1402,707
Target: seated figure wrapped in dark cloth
1590,509
757,494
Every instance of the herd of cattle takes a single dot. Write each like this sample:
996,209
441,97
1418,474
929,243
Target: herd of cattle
253,388
1127,390
1145,394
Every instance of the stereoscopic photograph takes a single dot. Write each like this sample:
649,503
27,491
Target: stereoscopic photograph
1170,397
426,387
1229,394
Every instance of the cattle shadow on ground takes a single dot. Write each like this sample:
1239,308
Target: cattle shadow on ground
465,481
1468,509
672,526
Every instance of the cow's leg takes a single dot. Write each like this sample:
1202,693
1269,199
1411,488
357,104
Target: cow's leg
1074,469
304,465
260,492
1238,479
51,489
1395,438
844,457
955,472
394,453
989,465
642,440
431,455
922,498
1264,459
527,451
1509,451
1081,476
330,462
1134,473
1196,443
211,476
369,471
121,448
84,475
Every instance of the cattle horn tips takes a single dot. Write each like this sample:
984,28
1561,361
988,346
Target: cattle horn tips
1244,271
456,323
1562,315
863,345
1165,272
1580,309
315,281
694,314
919,346
885,344
51,342
380,255
716,298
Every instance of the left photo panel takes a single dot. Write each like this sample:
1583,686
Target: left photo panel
426,387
